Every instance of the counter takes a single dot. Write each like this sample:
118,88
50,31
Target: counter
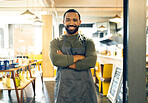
104,59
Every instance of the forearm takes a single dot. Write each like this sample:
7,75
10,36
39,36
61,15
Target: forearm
56,56
60,60
86,63
90,57
78,57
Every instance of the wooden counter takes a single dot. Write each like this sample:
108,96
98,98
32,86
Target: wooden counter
103,59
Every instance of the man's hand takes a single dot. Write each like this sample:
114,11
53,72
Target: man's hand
78,57
59,52
73,66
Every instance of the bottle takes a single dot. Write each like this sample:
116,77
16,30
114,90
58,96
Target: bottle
23,79
4,79
16,80
28,76
8,81
20,74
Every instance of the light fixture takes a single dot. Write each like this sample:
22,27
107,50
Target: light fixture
27,13
102,28
38,23
116,18
36,18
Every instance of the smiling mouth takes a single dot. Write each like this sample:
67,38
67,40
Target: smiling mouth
71,27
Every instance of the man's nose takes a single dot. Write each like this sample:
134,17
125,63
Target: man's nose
71,22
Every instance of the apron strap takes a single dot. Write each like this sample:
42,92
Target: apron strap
64,41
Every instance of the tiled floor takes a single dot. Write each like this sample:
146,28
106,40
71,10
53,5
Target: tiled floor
43,95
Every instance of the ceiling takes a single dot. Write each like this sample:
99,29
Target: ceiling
90,10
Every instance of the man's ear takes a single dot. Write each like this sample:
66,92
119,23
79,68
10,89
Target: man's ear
63,22
80,22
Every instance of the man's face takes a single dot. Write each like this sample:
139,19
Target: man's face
71,23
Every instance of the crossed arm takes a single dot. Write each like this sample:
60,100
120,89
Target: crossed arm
78,62
75,58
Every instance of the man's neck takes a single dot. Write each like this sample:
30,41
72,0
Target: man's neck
71,34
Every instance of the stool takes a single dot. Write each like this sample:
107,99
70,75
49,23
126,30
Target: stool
104,74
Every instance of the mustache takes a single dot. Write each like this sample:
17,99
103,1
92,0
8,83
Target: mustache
71,26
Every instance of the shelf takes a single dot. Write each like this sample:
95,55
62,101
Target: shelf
14,69
23,85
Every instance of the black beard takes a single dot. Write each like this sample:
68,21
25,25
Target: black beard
71,31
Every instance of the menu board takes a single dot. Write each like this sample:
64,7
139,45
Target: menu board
115,83
119,98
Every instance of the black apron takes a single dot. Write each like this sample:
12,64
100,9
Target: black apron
73,86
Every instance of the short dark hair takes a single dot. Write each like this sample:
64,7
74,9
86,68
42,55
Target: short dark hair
71,10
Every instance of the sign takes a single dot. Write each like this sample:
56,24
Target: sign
115,84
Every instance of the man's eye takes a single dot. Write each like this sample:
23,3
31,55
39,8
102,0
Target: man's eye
75,20
67,20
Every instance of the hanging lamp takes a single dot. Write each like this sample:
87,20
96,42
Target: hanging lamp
38,23
102,28
116,18
27,13
36,18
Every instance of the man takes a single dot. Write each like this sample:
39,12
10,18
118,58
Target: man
74,55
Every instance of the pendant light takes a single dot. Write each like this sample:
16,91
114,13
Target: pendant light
116,18
102,28
36,18
27,13
37,21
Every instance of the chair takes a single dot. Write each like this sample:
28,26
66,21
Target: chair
104,75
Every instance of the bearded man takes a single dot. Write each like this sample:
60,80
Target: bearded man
74,55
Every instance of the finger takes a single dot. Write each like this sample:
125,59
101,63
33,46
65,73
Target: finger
58,51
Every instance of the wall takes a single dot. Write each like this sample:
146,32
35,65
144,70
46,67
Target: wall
25,39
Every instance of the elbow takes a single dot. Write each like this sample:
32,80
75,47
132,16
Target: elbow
93,62
56,61
58,64
92,65
53,60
